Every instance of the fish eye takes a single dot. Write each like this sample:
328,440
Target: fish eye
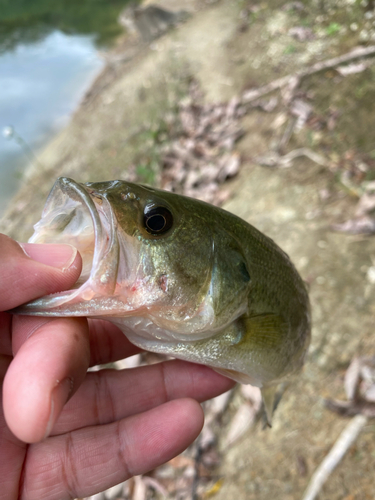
157,220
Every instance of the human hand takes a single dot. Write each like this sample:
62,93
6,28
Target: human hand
88,431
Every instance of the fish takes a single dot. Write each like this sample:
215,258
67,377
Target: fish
179,277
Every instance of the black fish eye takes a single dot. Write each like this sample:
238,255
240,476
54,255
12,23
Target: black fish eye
157,220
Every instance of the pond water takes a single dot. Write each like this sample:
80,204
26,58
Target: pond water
48,58
40,85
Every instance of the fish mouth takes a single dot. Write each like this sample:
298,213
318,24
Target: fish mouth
78,215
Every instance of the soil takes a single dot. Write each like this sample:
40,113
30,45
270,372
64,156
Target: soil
229,47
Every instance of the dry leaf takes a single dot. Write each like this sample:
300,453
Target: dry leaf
241,422
253,395
140,489
219,404
352,378
302,110
349,409
369,395
98,496
360,225
366,204
201,156
180,462
267,105
207,437
214,489
156,485
115,492
301,33
360,389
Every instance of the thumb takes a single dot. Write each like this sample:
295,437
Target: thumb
28,271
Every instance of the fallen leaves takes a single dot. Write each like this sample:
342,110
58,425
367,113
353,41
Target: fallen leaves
361,225
360,389
364,220
246,414
196,150
201,155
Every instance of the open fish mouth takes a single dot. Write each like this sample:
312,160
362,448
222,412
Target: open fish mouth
78,215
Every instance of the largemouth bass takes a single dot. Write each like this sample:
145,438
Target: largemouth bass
179,277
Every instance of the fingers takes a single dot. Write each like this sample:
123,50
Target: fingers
110,395
108,343
54,360
31,271
90,460
12,452
45,372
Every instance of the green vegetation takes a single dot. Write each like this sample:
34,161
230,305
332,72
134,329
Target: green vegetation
29,21
332,29
290,49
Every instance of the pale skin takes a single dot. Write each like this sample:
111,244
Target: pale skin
66,433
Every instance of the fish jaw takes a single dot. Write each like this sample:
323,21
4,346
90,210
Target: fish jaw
77,215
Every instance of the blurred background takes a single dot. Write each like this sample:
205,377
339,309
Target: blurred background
49,56
263,107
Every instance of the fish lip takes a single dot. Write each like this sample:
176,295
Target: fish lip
102,279
103,274
84,196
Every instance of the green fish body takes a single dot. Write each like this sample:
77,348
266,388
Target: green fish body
179,277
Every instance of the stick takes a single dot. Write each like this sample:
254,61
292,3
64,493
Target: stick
273,159
357,53
343,443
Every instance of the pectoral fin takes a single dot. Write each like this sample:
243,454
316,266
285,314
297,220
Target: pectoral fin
264,331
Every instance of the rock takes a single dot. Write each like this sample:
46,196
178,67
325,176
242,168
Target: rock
150,22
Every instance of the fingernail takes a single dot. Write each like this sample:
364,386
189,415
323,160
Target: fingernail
59,397
60,256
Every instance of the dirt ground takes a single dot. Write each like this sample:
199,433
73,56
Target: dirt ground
230,47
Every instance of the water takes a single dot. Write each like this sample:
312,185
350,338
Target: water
40,86
48,58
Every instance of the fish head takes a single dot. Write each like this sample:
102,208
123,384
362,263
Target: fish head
146,253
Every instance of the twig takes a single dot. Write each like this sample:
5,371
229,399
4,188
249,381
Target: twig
357,53
292,155
288,132
273,159
343,443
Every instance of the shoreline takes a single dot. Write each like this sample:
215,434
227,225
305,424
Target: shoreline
139,83
43,99
125,49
